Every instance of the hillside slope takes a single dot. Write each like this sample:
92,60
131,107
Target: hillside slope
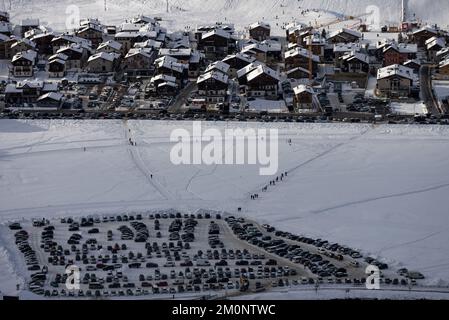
183,12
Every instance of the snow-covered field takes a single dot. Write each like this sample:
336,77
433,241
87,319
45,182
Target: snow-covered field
190,13
381,189
405,108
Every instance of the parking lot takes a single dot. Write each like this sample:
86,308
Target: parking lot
170,254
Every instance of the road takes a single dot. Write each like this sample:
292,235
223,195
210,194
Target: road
182,97
427,94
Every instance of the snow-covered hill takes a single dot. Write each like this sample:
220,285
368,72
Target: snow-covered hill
183,12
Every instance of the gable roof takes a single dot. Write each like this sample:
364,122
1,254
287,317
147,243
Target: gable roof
444,63
103,56
435,41
443,52
250,67
351,32
163,77
261,24
170,63
240,56
111,44
356,56
395,70
219,66
426,28
303,88
302,52
56,96
175,52
298,69
29,55
406,48
145,52
260,70
218,32
214,74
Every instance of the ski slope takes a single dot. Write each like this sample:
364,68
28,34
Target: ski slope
380,189
190,13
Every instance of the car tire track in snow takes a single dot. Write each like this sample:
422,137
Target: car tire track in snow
396,195
140,164
413,241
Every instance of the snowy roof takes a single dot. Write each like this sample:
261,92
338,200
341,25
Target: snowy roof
111,44
148,44
395,70
175,52
74,39
214,74
167,83
91,26
127,34
250,67
51,95
444,63
303,88
60,61
356,56
73,47
298,69
347,31
164,77
272,45
427,29
85,22
435,41
170,63
141,32
104,56
219,32
145,52
128,26
28,55
262,24
240,56
30,84
219,66
254,47
145,19
41,35
402,47
262,69
27,42
346,47
443,52
302,52
414,61
316,39
292,27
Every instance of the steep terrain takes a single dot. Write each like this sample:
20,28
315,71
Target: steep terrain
183,12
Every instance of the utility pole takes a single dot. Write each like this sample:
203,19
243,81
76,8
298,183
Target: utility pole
310,46
404,11
167,6
105,5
